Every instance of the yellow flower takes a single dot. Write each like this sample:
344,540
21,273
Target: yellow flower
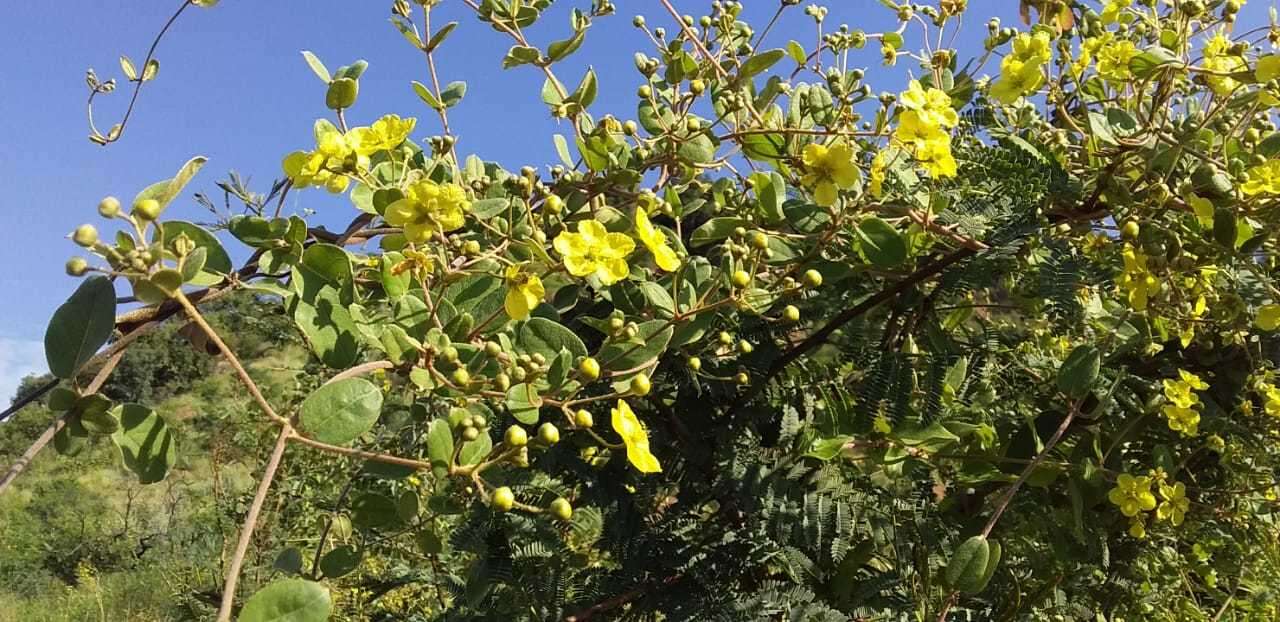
1113,60
1185,421
635,437
1174,505
384,135
1020,72
1111,13
829,169
1182,411
1137,528
1137,281
936,156
593,250
524,292
1271,400
1219,59
1268,68
1262,178
656,242
1132,494
428,208
1089,48
1268,317
878,166
933,105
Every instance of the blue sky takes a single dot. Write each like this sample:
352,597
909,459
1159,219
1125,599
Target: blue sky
232,86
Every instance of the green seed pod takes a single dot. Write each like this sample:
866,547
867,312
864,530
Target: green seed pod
341,94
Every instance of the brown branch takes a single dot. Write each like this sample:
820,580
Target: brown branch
250,522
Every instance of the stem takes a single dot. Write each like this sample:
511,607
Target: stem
251,521
231,359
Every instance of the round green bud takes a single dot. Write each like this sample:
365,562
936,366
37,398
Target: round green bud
449,353
460,377
638,21
503,499
470,434
479,421
515,436
538,359
502,381
697,86
745,347
583,418
725,338
742,378
812,278
1130,230
471,247
760,240
740,279
640,385
492,348
631,330
554,204
85,235
589,369
109,207
77,266
147,209
693,125
617,323
790,313
561,509
630,128
694,363
644,92
548,434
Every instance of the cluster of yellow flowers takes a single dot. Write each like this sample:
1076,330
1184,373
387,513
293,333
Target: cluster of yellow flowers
829,169
1134,497
1183,409
1263,178
1113,60
339,154
428,208
1270,399
594,250
1021,72
1220,60
922,128
1137,282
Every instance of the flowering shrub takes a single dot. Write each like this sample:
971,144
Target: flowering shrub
862,357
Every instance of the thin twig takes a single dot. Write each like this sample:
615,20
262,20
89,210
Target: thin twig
250,522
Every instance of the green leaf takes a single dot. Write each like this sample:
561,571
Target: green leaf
650,342
426,96
771,193
372,510
96,415
716,229
827,448
453,93
288,600
881,243
164,192
796,52
339,412
1151,60
968,565
440,444
1079,371
330,262
339,562
289,561
316,66
80,326
217,260
585,94
146,445
761,62
440,36
547,338
488,208
393,285
473,452
128,68
523,402
520,55
327,326
342,93
562,150
559,50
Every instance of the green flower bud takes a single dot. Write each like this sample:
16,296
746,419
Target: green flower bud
515,436
589,369
77,266
109,207
147,209
503,499
85,235
640,385
548,434
561,509
583,418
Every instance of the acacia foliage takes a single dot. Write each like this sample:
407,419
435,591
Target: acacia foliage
988,346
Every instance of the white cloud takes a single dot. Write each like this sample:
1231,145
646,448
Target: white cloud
18,358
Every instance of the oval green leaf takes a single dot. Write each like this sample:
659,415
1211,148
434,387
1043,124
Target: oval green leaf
339,412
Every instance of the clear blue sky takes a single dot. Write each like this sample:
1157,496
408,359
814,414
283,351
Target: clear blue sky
232,86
